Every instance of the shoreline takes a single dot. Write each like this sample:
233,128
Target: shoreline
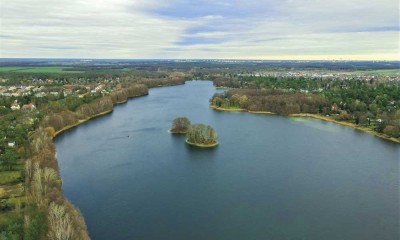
177,132
202,145
83,121
316,116
100,114
95,116
240,110
79,122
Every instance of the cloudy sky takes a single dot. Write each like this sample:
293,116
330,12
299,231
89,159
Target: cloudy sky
235,29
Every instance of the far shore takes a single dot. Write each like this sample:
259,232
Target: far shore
240,110
102,113
202,145
316,116
94,116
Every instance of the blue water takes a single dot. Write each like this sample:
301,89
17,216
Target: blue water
271,177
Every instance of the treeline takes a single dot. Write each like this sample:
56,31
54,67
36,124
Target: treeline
60,118
385,95
94,76
372,104
31,201
129,91
47,214
170,81
66,118
271,100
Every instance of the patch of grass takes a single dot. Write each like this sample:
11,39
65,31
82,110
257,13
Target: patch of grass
11,191
8,69
379,72
10,177
17,200
11,225
227,106
6,218
202,145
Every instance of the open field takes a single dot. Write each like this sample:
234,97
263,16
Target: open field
35,69
9,176
379,72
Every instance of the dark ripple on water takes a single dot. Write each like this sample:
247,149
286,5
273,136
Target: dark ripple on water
149,129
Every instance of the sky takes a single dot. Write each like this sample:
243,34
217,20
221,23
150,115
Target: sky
201,29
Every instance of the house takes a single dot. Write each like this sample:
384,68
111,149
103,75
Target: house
29,88
15,106
99,88
40,94
29,106
12,88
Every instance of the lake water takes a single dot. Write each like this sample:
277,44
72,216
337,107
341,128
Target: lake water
271,177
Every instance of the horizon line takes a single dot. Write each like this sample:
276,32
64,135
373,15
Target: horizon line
201,59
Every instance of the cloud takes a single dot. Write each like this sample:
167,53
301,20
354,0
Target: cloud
199,41
93,29
187,9
268,29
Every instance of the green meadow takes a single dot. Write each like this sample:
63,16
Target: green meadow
35,69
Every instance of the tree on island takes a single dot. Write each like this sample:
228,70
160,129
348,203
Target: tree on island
180,125
202,135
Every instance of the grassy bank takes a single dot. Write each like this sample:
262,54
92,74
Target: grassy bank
228,109
240,110
347,124
317,116
202,145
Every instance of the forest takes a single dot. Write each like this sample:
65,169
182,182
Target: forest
372,104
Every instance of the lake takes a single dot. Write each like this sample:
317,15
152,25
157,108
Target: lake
271,177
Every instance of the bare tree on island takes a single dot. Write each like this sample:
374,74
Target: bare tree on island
180,125
202,136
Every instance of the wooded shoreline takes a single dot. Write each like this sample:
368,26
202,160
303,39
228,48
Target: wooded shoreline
77,217
316,116
94,116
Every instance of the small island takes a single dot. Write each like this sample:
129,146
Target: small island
200,135
180,125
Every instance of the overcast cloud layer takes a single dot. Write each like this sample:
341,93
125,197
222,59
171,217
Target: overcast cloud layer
236,29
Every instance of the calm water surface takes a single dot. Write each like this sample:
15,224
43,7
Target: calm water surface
271,177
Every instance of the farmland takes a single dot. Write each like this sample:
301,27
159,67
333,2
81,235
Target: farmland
35,69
